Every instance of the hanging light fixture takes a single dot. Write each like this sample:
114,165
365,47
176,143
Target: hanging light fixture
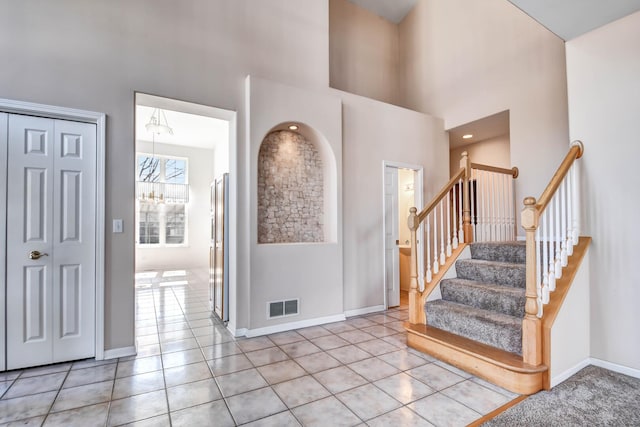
157,125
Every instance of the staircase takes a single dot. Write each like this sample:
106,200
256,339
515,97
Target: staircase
496,313
485,302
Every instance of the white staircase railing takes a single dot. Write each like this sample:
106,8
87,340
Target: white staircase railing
492,200
476,204
552,227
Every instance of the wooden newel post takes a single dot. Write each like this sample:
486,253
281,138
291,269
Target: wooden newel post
466,203
414,296
531,325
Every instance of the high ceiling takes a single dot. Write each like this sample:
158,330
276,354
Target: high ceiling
569,19
193,125
392,10
482,129
566,18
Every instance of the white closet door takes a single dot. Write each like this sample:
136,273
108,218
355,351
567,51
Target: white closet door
29,228
74,234
50,241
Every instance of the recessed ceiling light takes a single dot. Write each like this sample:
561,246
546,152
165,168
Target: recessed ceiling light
293,127
467,136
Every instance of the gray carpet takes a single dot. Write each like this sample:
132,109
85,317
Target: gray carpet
592,397
485,303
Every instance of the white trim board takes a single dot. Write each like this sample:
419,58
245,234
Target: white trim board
625,370
99,119
119,352
419,200
365,310
282,327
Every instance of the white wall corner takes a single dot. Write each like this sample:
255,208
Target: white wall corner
365,310
114,353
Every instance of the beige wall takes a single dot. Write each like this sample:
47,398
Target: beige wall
363,52
94,55
374,132
463,60
492,152
604,104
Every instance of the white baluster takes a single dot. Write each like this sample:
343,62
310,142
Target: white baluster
448,224
442,256
454,220
569,235
482,182
503,199
436,265
545,255
557,237
551,244
427,243
472,197
460,227
538,260
494,205
563,216
576,201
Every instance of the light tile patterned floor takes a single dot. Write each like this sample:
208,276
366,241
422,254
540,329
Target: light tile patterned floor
190,371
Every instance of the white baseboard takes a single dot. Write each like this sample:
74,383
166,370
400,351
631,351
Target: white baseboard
569,372
595,362
365,310
632,372
114,353
293,325
240,332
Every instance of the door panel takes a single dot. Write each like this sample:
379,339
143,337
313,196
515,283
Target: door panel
29,281
392,252
52,209
74,210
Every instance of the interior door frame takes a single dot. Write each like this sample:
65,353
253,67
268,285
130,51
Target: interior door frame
99,119
418,186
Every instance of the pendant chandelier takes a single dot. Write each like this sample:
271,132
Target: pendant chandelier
157,125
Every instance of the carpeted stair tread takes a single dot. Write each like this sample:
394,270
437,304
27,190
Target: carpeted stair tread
500,273
488,327
487,296
515,252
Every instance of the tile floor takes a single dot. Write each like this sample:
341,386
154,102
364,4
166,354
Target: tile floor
190,371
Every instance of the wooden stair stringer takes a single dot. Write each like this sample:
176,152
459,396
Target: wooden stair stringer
497,366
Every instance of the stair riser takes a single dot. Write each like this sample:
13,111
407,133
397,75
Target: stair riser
502,252
512,305
513,275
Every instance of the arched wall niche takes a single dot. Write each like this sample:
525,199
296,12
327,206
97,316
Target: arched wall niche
297,187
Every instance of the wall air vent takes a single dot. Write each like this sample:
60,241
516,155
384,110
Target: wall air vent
282,308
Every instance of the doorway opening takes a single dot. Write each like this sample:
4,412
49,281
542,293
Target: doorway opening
182,149
403,189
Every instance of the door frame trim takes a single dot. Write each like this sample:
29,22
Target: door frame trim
419,198
99,119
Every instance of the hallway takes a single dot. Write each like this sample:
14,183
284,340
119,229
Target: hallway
190,371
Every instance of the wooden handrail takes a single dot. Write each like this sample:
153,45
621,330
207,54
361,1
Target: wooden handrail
514,172
445,190
575,152
530,220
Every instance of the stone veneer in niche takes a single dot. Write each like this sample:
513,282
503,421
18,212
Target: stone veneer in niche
290,190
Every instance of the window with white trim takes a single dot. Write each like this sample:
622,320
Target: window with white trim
161,204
